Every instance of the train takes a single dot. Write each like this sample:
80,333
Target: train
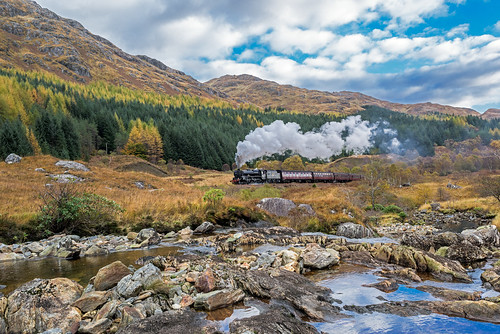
248,176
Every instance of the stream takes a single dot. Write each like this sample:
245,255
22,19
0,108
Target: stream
345,281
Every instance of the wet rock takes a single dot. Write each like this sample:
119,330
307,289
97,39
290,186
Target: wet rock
492,277
13,159
280,284
91,301
355,231
204,228
387,286
218,299
43,304
276,320
449,294
72,165
205,282
95,327
277,206
148,237
319,258
172,322
403,275
109,276
144,277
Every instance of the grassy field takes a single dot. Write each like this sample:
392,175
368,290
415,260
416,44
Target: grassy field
173,194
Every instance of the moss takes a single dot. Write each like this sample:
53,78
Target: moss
442,251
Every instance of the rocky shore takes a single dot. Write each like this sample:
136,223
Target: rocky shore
173,294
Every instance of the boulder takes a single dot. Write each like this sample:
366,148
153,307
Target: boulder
173,322
318,258
204,228
489,235
218,299
148,237
109,276
186,231
91,301
72,165
355,231
276,320
492,277
95,250
13,159
43,304
143,278
277,206
95,327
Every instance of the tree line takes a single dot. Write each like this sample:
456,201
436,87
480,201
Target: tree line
40,113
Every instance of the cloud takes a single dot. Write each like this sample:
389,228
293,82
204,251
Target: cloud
333,45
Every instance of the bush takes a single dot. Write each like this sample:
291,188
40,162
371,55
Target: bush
392,209
213,197
67,210
10,232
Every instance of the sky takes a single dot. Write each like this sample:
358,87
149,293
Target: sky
406,51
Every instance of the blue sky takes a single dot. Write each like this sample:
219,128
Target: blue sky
442,51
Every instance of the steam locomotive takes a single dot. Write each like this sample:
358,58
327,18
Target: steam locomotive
286,176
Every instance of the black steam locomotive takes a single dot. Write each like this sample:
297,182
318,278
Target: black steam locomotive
286,176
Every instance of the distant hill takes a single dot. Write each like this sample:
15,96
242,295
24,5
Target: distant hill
491,114
34,38
250,89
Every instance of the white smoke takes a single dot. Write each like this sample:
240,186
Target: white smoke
351,134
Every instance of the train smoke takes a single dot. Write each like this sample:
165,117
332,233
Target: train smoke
351,134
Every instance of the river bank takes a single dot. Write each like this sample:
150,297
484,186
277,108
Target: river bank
264,279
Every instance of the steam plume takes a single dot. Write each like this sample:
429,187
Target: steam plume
351,134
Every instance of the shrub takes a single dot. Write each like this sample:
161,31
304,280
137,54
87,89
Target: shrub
214,197
392,209
67,210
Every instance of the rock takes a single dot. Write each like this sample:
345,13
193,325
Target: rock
95,327
10,257
66,178
449,294
276,320
130,314
107,311
492,277
35,247
95,251
91,301
172,322
313,300
435,206
143,278
132,235
318,258
306,209
205,282
489,235
204,228
109,276
277,206
386,286
355,231
403,275
465,252
43,304
218,299
186,231
72,165
148,237
41,170
186,301
13,159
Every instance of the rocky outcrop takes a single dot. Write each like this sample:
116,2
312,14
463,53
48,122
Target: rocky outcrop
319,258
44,304
72,165
218,299
355,231
276,320
280,284
13,159
66,178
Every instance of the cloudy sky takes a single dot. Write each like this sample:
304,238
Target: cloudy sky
443,51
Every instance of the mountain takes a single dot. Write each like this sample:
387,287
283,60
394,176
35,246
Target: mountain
491,114
250,89
34,38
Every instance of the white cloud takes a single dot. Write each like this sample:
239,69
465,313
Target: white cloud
497,26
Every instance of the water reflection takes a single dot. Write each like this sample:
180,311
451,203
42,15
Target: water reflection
15,273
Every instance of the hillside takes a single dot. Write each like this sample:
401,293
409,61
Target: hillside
34,38
250,89
491,114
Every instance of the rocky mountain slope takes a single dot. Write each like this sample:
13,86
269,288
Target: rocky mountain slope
247,88
34,38
491,113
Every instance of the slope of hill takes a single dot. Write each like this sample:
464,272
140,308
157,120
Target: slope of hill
247,88
491,114
34,38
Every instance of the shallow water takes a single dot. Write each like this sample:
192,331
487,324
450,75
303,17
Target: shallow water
15,273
